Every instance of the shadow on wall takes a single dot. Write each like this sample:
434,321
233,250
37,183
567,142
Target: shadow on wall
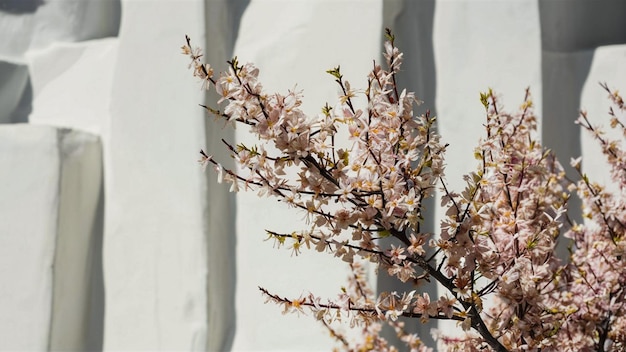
223,17
94,319
20,6
570,32
91,20
16,93
99,19
412,23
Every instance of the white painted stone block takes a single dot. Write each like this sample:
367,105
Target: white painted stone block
294,42
480,45
156,258
51,184
36,24
170,246
72,84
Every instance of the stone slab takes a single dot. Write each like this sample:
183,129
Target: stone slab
155,251
480,45
294,43
52,181
72,84
36,24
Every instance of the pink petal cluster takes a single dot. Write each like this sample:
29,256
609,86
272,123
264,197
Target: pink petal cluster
496,252
503,227
595,285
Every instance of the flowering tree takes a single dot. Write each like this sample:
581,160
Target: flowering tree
495,254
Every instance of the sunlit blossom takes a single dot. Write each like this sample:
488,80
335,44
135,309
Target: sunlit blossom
498,236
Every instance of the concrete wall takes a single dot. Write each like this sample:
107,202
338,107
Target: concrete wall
112,236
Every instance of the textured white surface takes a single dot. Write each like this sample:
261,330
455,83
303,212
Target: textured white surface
480,45
182,257
155,251
53,179
36,24
269,33
31,177
72,84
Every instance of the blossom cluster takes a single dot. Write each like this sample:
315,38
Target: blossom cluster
595,286
495,254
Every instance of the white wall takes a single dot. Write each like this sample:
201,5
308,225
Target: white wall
173,260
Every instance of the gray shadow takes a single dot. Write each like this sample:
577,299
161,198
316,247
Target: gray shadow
412,23
108,17
100,20
24,106
19,7
574,25
570,31
15,92
94,338
563,77
222,21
